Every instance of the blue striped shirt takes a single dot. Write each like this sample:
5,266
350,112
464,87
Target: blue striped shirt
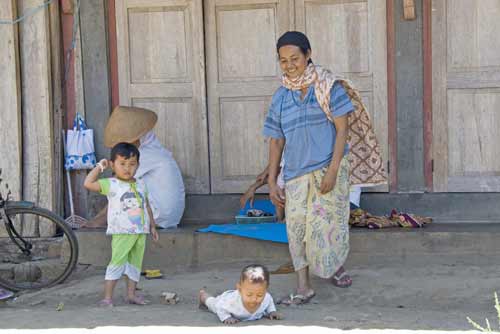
309,135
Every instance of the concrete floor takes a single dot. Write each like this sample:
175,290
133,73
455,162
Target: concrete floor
422,295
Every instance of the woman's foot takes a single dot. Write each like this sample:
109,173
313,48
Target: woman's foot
202,298
341,279
301,297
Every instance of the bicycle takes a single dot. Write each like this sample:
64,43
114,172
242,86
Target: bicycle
37,248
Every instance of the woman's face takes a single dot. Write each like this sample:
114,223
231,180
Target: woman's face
292,61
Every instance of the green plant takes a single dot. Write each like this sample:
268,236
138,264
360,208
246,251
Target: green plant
488,327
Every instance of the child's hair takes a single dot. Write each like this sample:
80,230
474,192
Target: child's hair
255,273
125,150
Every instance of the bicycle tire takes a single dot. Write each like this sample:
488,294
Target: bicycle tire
16,208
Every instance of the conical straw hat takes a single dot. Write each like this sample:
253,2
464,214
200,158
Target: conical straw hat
128,124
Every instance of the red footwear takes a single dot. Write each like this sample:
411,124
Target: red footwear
342,281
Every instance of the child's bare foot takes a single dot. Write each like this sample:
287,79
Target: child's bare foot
202,298
136,300
106,302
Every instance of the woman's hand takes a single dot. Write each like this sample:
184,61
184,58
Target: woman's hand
328,182
247,196
277,195
262,177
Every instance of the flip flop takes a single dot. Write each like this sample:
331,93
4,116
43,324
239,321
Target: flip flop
297,299
343,277
5,294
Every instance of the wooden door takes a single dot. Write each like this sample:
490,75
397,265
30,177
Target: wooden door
349,38
242,73
161,67
466,95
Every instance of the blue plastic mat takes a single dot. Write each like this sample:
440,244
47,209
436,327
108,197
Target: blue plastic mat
265,231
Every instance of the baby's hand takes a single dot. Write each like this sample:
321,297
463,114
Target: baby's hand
231,321
275,316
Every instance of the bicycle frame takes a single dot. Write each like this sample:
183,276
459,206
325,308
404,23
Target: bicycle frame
26,246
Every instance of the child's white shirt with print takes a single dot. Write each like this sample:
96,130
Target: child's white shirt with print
229,304
127,210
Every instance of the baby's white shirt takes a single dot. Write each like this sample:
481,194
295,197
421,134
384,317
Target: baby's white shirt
229,304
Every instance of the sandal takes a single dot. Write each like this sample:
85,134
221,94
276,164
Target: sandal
5,294
105,303
137,300
342,281
297,299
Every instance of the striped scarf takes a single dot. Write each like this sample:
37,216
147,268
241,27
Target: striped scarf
367,167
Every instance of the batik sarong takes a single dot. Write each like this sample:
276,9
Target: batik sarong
318,224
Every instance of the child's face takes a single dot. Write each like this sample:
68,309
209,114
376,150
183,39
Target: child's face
124,169
252,294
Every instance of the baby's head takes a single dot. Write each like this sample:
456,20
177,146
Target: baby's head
252,286
124,160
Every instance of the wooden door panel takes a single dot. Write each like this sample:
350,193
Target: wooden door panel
161,67
466,95
242,73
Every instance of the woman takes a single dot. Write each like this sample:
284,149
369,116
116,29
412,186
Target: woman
308,117
158,168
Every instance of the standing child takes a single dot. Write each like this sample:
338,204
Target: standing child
250,300
128,221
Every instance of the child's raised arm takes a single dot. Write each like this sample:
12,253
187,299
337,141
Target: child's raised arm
91,182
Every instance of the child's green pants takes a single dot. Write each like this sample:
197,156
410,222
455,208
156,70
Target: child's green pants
127,254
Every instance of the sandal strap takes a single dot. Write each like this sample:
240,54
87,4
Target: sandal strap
341,276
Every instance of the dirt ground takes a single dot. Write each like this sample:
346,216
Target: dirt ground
428,295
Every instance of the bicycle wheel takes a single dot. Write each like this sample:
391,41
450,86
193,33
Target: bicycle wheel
53,248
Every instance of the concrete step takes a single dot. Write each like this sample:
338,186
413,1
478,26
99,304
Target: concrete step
185,249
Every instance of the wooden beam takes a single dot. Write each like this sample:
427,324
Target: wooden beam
36,78
113,54
57,102
391,96
69,69
10,95
427,103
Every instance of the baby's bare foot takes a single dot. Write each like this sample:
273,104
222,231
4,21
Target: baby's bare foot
202,298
